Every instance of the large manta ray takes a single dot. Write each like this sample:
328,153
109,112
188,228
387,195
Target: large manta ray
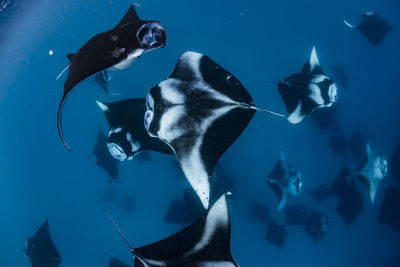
372,27
40,249
115,49
305,91
371,171
127,136
284,180
103,158
199,111
204,243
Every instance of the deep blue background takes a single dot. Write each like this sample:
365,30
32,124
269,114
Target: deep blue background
258,41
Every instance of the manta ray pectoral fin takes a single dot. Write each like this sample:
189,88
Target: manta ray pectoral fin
349,25
130,16
296,116
70,56
312,65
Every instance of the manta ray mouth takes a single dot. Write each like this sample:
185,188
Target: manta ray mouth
333,93
152,35
116,151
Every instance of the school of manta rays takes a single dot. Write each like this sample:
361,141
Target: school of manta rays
197,113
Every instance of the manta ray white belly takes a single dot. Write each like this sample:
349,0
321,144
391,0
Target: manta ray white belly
132,57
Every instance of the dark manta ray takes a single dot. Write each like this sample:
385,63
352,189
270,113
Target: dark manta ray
103,158
199,110
305,91
317,225
389,211
276,234
371,171
127,136
204,243
372,27
351,201
115,49
284,180
40,249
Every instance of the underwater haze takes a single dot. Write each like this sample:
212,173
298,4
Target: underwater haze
257,41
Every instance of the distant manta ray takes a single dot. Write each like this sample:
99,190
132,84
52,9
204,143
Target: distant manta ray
308,90
115,49
372,27
199,111
206,242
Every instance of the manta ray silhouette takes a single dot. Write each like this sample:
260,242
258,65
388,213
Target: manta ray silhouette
115,49
206,242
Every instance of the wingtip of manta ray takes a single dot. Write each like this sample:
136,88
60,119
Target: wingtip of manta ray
348,24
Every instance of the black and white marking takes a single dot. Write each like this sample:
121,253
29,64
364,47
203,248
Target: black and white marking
204,243
199,110
285,181
305,91
111,50
127,136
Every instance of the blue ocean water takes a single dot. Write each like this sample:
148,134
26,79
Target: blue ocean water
259,42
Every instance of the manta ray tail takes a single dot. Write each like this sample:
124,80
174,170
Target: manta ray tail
349,25
249,106
59,124
268,111
134,252
64,70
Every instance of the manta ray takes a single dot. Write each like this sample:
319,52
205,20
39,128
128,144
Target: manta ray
103,158
40,249
372,27
308,90
284,180
114,49
199,111
127,136
276,233
351,200
317,225
206,242
371,170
